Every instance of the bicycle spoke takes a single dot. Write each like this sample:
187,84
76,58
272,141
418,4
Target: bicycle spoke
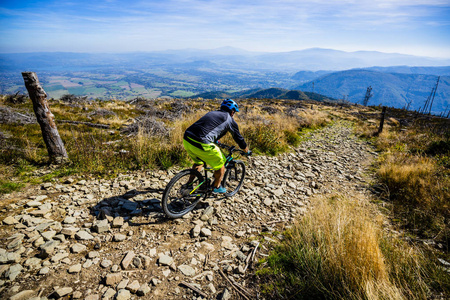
179,197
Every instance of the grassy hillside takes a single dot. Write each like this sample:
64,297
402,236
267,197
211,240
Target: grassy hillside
141,135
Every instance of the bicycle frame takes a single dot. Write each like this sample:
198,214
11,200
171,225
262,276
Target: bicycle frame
228,159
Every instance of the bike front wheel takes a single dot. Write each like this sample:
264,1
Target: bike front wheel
234,177
179,198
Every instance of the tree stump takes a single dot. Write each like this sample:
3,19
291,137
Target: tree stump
55,146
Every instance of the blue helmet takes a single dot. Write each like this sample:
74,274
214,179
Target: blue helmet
230,105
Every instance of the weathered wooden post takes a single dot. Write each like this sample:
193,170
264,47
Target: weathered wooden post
55,146
383,114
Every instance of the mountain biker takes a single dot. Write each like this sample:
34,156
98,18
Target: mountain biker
199,141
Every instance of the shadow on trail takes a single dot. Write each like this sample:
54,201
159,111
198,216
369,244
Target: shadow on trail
134,203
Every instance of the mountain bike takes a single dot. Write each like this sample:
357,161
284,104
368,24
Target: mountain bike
180,197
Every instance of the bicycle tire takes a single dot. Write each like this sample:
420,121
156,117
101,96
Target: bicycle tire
234,177
176,200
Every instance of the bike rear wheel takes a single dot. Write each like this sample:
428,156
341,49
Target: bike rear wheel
234,177
178,198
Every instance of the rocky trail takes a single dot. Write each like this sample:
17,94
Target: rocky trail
109,239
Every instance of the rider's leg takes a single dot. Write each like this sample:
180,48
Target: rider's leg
218,176
192,176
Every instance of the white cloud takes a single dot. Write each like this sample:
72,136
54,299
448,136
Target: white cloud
256,25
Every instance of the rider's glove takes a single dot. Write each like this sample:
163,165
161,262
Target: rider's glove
249,153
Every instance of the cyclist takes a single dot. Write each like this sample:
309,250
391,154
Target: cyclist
199,141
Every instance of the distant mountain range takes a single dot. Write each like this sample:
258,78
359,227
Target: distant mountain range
396,79
222,58
390,89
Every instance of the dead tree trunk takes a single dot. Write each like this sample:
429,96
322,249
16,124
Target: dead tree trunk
383,114
55,146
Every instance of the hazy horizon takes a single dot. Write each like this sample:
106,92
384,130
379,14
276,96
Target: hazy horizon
414,27
220,48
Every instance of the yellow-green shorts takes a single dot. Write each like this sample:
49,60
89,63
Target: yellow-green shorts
210,154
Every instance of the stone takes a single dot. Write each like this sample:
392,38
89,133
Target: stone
113,278
48,235
9,257
123,284
59,237
143,290
227,243
165,260
133,286
39,212
23,295
40,197
101,226
48,248
130,206
76,295
146,260
207,246
126,261
187,270
44,271
61,292
152,252
46,185
83,235
42,227
207,213
78,248
75,269
268,202
123,294
155,281
278,192
87,264
10,221
241,256
39,242
226,295
33,204
137,262
212,288
69,231
15,244
196,231
106,263
118,237
92,297
59,256
240,234
69,220
117,222
205,232
108,294
93,254
32,262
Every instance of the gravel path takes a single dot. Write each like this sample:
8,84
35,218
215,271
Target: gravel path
106,239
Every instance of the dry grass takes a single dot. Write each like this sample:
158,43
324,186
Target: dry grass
98,151
339,251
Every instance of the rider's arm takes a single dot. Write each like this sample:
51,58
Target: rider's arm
234,129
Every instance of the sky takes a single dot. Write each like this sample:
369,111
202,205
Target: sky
417,27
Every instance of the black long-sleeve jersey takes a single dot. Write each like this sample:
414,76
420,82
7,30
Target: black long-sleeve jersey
212,126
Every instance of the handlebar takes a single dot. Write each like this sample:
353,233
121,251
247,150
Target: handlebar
233,149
